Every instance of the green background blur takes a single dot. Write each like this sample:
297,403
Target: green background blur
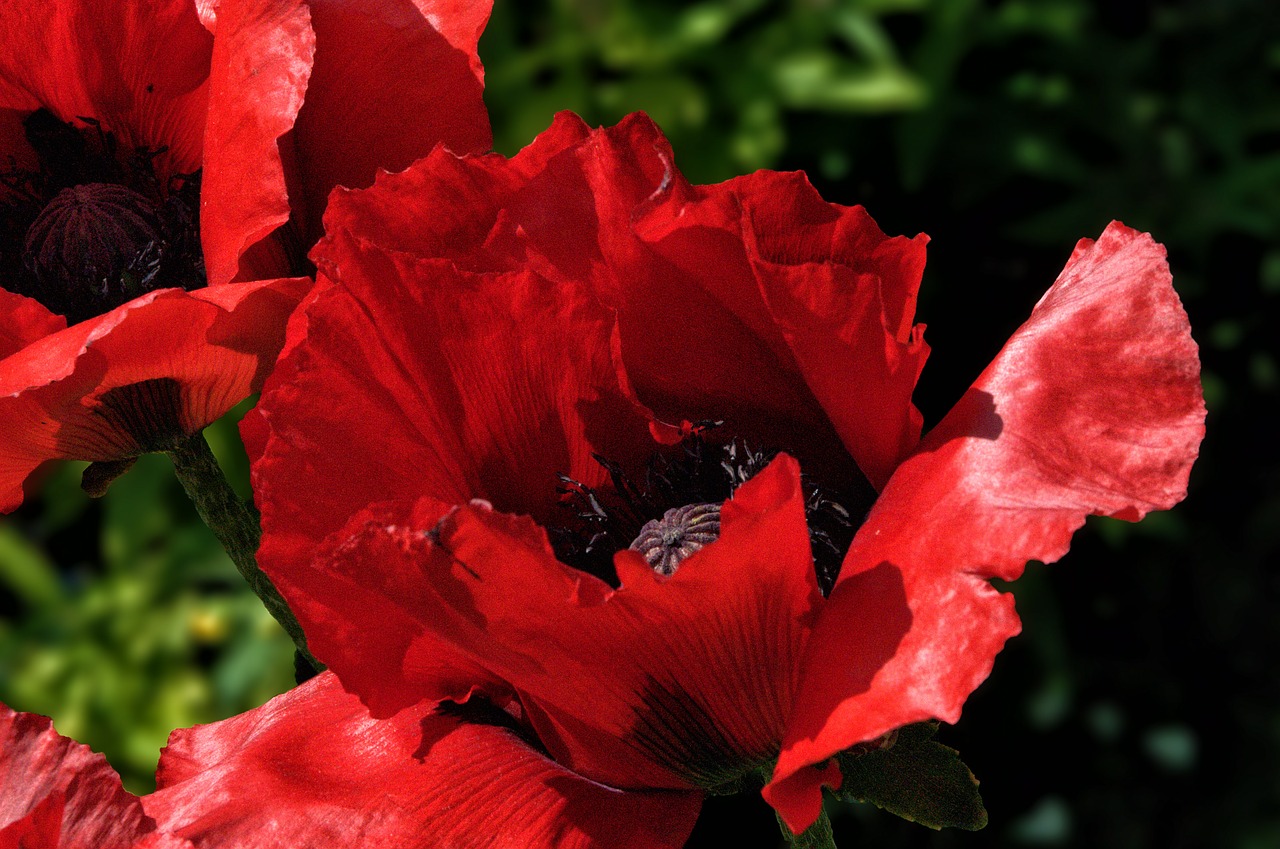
1141,705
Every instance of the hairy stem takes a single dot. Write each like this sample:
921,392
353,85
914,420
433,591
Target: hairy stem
816,836
235,524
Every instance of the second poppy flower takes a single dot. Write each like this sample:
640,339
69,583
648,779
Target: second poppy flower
153,153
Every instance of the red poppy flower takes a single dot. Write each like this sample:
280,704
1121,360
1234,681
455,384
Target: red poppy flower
57,794
315,766
148,154
520,330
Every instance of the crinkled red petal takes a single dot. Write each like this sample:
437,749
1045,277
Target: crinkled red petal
348,89
313,768
676,682
462,386
843,295
57,794
368,624
814,294
447,205
719,308
698,341
137,66
1093,407
162,365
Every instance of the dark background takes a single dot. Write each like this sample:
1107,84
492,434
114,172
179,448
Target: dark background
1140,706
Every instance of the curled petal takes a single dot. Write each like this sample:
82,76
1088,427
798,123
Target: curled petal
261,63
160,367
313,768
842,295
752,301
817,303
23,321
1092,407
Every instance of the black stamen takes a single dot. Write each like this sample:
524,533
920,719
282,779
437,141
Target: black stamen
831,531
695,474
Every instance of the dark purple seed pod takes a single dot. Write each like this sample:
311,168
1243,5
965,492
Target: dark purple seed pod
679,533
88,236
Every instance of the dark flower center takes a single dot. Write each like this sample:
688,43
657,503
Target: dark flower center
676,510
87,230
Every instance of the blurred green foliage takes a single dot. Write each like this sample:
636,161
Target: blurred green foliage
123,619
719,77
1141,706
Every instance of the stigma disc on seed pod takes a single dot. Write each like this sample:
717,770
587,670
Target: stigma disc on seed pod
681,531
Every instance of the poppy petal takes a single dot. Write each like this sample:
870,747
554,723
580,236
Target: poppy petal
136,66
696,339
608,209
313,768
1093,407
262,57
157,368
391,80
821,298
447,205
383,83
466,385
843,295
385,664
56,793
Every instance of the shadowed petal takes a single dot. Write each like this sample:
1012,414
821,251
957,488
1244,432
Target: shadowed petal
153,370
137,66
308,95
392,79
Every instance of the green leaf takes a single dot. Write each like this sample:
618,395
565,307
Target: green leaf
916,779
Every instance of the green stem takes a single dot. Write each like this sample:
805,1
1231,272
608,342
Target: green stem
816,836
235,525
